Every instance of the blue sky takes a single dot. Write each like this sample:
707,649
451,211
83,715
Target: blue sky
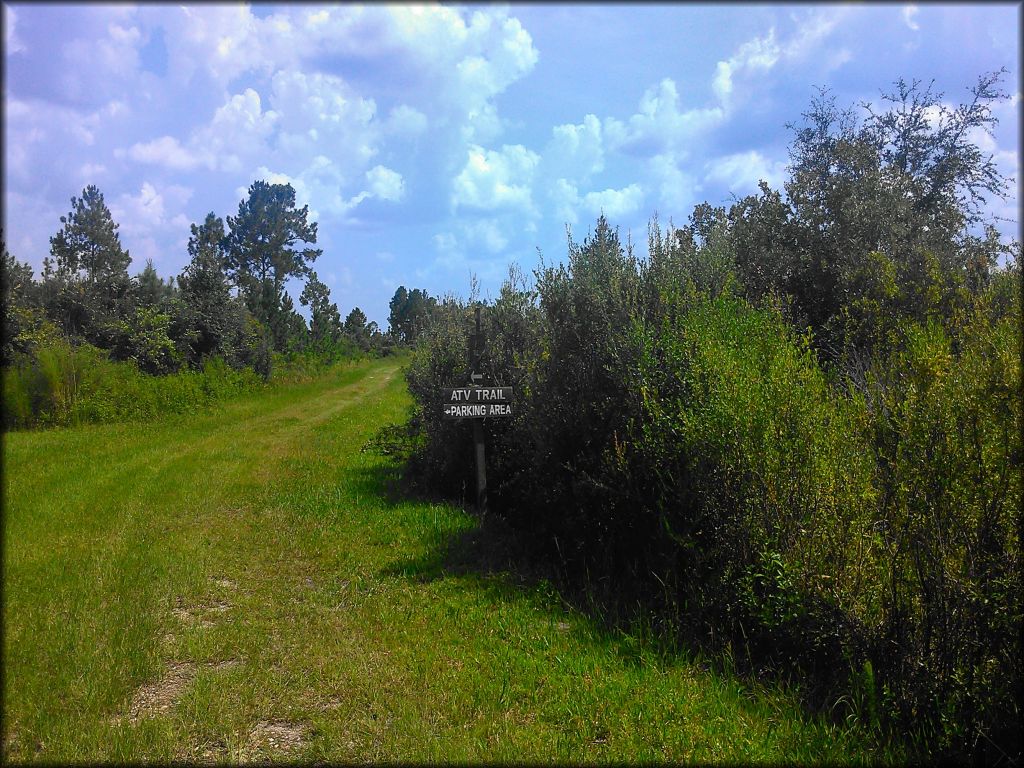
432,142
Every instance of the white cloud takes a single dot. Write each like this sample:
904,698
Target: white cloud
165,151
813,29
677,190
742,171
12,43
575,151
760,53
486,234
909,12
90,172
660,124
566,201
491,180
385,183
321,186
462,65
469,63
238,131
226,41
614,203
42,135
405,121
138,215
102,60
317,111
36,221
444,242
323,101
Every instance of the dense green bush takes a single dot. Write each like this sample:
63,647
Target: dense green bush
947,448
60,384
678,450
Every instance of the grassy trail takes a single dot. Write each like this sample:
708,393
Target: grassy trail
239,586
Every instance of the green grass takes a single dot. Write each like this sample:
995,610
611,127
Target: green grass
251,567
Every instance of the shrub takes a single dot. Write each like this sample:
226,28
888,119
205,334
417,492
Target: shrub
947,445
675,449
62,385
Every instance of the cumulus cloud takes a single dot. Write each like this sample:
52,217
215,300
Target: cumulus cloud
576,151
742,171
491,180
43,138
565,199
227,41
322,186
166,151
150,209
677,189
614,203
238,131
568,203
909,12
761,54
89,172
385,183
317,108
467,65
405,121
462,66
486,234
660,125
101,62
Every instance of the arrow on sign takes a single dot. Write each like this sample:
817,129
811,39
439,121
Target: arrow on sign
475,377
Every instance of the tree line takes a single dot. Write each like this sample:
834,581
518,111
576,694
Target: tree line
792,433
229,301
228,312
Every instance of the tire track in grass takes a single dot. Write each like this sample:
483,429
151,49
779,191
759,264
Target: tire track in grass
158,486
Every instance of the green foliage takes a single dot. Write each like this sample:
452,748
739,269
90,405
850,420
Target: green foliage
150,289
325,321
90,291
262,254
288,327
947,443
62,385
411,313
16,316
262,536
889,205
88,245
676,449
147,342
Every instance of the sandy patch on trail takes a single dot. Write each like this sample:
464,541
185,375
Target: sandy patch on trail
199,615
207,753
267,741
275,737
160,697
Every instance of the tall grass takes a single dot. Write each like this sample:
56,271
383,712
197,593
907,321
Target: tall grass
62,385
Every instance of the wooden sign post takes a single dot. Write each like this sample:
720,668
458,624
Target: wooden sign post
476,348
476,402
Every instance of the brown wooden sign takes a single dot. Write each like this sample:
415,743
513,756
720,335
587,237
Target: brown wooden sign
477,402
